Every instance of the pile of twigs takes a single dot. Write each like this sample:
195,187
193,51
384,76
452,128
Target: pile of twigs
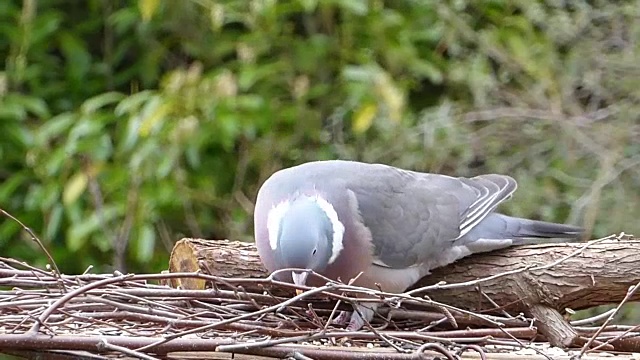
138,315
97,316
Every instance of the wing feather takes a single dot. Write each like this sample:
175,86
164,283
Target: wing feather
494,189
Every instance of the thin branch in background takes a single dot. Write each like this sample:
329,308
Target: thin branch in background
165,235
57,272
122,239
98,199
189,212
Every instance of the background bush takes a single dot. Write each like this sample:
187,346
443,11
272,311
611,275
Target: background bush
125,125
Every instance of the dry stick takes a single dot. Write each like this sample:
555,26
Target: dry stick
339,286
28,342
478,349
493,303
123,278
617,337
125,282
443,285
297,356
630,293
61,301
177,310
592,319
439,348
266,343
331,315
93,318
276,307
104,344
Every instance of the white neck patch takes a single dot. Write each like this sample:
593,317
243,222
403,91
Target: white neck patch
273,222
338,227
274,218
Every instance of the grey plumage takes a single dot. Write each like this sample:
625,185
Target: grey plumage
397,224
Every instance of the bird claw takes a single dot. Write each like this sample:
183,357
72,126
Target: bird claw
356,323
342,318
353,319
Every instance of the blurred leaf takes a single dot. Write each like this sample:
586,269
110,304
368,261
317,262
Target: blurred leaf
363,118
54,222
55,161
357,7
74,187
98,102
153,113
391,95
33,105
79,232
145,243
148,8
54,127
76,53
9,186
18,106
309,5
132,103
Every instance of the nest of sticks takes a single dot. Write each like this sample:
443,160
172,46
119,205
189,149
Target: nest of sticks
153,316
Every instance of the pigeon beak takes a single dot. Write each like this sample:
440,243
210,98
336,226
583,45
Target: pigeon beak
299,278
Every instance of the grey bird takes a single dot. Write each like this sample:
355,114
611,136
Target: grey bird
382,225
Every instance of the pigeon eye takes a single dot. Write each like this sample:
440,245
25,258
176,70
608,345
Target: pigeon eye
315,250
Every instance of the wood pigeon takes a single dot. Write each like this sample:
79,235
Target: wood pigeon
390,226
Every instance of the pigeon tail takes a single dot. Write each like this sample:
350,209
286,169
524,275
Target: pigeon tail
526,231
522,231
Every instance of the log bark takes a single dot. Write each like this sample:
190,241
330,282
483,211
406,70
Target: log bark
541,281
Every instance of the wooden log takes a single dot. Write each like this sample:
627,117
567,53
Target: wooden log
541,281
214,257
571,275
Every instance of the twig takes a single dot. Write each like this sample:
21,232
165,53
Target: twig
37,241
586,346
104,344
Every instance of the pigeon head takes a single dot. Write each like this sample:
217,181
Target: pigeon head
305,233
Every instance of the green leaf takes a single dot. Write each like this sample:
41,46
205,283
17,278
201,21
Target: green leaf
356,7
153,114
148,8
54,127
77,54
9,186
76,185
56,160
132,103
363,118
18,106
97,102
308,5
34,105
142,155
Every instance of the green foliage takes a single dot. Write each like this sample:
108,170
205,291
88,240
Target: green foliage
126,125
